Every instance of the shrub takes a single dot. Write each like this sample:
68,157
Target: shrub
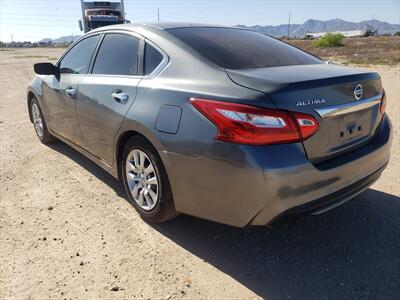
369,32
329,40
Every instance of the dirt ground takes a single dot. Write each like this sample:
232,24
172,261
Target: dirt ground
357,50
67,231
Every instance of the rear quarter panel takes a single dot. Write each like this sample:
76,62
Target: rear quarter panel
185,152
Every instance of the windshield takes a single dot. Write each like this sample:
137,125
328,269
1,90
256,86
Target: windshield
102,12
233,48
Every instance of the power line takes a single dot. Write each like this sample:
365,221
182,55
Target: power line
52,21
38,15
59,16
39,25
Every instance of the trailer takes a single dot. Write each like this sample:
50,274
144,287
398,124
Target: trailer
101,13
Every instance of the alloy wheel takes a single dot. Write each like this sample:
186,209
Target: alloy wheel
37,120
142,179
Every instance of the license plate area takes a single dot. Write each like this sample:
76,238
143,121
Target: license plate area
348,129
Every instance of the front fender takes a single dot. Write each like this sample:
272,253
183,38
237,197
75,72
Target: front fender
34,90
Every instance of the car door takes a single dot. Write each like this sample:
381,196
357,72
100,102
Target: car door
106,94
60,93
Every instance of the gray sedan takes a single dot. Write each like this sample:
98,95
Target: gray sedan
220,123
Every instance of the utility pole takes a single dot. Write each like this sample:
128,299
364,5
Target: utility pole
288,28
373,21
158,14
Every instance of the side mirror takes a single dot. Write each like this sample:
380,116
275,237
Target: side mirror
80,25
127,22
46,69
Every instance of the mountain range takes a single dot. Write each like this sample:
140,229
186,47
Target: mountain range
296,30
312,25
61,40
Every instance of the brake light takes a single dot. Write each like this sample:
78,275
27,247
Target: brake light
382,106
244,124
308,125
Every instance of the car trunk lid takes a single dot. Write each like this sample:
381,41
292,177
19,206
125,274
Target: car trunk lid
347,118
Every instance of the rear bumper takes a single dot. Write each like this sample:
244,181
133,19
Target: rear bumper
328,202
241,185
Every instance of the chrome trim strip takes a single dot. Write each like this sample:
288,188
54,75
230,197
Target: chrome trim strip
158,69
342,109
165,61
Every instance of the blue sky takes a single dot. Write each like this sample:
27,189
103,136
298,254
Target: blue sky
33,20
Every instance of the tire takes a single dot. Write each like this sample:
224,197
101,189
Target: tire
149,192
39,123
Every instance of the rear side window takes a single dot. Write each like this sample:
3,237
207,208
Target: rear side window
77,60
233,48
152,58
118,55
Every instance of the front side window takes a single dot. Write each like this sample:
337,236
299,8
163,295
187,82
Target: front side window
118,55
233,48
152,58
77,60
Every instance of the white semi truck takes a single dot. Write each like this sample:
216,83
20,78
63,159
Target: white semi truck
101,13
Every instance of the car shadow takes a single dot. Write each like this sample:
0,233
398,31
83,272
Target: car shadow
350,252
86,163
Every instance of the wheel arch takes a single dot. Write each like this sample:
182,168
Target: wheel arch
30,96
123,138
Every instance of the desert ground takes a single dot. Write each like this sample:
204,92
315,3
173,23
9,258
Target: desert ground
373,50
67,231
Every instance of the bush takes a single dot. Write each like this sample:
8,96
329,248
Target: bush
369,32
329,40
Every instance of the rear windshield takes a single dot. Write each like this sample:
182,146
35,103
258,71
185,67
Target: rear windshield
233,48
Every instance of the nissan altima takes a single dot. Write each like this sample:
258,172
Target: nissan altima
221,123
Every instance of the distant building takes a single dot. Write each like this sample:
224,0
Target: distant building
44,43
350,33
26,44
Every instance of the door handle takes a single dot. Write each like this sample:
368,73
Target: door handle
71,92
120,96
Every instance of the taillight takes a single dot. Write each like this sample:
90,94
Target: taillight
243,124
382,106
307,124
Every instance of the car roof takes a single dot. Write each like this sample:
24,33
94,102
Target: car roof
158,25
170,25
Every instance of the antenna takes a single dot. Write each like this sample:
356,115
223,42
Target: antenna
288,28
158,14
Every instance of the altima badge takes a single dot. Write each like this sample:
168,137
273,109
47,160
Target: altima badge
311,101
